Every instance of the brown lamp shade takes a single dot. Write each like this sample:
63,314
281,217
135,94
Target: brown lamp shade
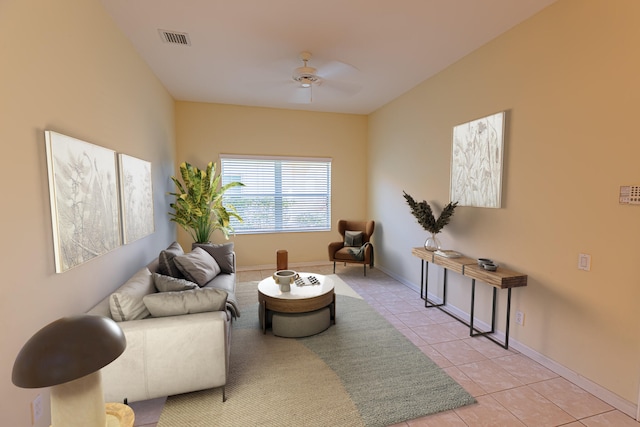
68,349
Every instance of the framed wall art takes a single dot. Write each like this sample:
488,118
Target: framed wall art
83,191
136,195
476,162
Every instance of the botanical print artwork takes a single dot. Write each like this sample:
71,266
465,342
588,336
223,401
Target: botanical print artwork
476,166
137,198
84,199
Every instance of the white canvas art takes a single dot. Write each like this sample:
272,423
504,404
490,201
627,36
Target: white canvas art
476,162
137,198
83,192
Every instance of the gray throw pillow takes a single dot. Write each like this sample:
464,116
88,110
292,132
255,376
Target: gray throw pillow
186,302
126,302
197,266
353,238
171,284
223,254
166,265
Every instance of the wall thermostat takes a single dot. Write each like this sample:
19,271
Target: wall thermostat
630,195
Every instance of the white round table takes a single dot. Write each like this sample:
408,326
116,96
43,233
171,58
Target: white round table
304,305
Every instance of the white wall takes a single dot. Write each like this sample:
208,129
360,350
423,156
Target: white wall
568,78
66,67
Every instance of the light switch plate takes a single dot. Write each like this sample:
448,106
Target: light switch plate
584,262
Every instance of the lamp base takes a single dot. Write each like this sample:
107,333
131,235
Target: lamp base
79,403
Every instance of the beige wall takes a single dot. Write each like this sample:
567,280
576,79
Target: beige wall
204,131
66,67
568,79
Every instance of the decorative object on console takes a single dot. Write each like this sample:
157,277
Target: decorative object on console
198,207
476,162
84,200
424,215
489,266
67,356
448,253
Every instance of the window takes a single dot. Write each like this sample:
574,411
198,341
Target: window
281,194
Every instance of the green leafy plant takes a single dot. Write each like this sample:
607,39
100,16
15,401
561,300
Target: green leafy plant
423,213
198,207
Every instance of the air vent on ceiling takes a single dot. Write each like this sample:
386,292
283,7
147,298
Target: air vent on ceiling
174,37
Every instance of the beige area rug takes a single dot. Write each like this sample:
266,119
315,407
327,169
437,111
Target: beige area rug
359,372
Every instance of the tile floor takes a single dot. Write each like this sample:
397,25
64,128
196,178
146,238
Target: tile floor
511,389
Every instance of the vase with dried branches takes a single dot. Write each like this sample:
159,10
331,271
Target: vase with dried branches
424,215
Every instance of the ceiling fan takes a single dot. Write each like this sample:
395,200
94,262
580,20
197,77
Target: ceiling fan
333,76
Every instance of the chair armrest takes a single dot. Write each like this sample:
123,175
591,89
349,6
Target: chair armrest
333,248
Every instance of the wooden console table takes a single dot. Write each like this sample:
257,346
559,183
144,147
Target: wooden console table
502,278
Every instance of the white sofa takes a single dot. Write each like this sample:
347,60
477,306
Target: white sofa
173,353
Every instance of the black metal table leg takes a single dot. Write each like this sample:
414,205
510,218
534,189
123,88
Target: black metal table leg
422,294
506,337
473,300
428,303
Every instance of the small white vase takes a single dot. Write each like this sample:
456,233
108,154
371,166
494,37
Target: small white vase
432,243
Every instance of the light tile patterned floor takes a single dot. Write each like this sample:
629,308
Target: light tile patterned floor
511,389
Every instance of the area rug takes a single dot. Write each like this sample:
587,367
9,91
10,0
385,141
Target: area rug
359,372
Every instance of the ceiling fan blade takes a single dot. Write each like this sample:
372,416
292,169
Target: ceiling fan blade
333,70
340,88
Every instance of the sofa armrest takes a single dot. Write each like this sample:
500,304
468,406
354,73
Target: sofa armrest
169,355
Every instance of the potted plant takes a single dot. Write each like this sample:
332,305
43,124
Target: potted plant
423,213
198,207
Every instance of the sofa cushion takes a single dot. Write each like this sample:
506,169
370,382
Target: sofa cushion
353,238
171,284
165,259
185,302
197,266
126,302
223,254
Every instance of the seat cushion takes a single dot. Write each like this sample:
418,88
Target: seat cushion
348,254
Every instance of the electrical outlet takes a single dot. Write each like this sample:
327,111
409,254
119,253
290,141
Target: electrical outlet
520,318
36,409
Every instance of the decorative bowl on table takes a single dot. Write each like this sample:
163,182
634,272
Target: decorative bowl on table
489,266
285,278
482,261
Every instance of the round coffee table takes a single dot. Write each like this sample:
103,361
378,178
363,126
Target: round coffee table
306,309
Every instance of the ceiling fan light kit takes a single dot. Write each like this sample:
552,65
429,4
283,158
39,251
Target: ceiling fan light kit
332,77
305,75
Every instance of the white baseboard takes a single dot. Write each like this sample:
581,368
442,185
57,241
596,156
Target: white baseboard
632,410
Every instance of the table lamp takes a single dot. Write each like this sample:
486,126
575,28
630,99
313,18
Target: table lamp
67,356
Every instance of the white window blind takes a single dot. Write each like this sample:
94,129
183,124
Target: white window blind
281,194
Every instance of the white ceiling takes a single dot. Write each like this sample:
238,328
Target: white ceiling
369,51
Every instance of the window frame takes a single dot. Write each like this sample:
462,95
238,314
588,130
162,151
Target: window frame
319,201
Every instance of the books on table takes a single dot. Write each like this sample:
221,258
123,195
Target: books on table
448,253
